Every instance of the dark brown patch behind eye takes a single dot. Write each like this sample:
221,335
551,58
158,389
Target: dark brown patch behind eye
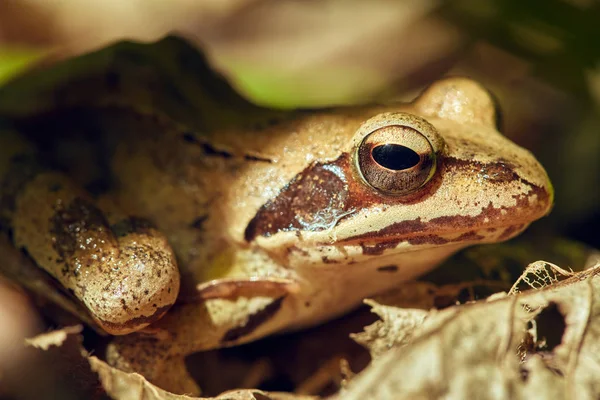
314,200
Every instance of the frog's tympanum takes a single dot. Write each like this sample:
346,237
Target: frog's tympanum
276,224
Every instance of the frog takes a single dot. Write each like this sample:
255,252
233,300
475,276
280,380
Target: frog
269,224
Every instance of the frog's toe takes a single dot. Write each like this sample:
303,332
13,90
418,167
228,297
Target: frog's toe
246,287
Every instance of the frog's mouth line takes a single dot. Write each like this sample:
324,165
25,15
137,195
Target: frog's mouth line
491,234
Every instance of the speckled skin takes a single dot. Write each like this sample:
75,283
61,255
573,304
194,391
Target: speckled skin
275,226
123,271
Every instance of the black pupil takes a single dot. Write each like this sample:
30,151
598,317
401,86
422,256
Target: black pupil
395,156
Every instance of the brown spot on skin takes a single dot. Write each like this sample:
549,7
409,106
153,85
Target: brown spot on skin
428,239
468,236
129,225
378,248
71,225
327,260
510,231
388,268
254,321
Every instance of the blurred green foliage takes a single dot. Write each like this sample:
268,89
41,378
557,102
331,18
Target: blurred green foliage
560,38
15,61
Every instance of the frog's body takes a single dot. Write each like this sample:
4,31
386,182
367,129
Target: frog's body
290,223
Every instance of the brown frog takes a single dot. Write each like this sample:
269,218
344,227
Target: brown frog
278,221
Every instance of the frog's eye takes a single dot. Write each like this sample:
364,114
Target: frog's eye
398,159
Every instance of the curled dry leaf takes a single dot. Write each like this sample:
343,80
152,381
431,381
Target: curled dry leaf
395,329
538,275
538,344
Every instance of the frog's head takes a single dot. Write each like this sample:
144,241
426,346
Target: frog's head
432,174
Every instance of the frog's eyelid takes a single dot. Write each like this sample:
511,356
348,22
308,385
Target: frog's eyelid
400,119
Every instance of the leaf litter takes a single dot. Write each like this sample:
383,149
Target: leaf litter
537,343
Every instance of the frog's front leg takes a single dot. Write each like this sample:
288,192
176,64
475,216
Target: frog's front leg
122,269
225,312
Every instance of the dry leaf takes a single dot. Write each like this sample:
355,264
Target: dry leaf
539,344
404,309
54,338
395,328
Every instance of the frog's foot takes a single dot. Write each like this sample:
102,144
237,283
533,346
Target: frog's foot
120,267
227,312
